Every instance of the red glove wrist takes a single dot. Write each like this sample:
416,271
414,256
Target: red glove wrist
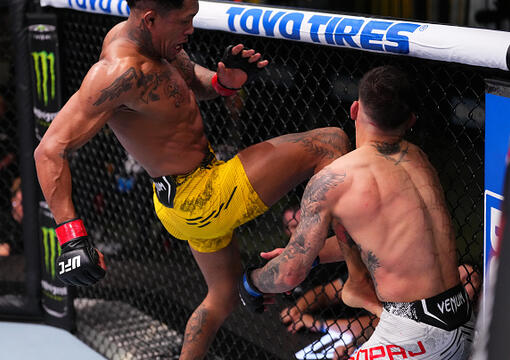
70,230
222,89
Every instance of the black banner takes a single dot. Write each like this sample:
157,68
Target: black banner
46,88
56,299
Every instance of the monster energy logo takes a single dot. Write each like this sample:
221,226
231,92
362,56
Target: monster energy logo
51,249
44,66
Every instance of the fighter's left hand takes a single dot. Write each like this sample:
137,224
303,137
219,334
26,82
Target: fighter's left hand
239,65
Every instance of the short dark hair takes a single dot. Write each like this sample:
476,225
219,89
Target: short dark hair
387,96
165,5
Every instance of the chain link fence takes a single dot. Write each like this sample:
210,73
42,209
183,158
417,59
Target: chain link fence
11,245
140,309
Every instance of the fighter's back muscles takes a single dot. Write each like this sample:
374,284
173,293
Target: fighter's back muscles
102,91
398,221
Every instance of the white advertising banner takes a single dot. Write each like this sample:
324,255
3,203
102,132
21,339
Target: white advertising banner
479,47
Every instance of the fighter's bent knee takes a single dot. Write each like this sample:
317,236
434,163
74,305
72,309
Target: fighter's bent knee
335,137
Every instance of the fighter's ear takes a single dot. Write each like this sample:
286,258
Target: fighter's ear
149,17
354,110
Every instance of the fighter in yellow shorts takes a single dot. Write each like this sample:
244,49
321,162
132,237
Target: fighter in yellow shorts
146,88
205,206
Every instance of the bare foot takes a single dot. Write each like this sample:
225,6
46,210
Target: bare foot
361,294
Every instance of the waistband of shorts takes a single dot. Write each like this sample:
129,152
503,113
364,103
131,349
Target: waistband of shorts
447,310
206,163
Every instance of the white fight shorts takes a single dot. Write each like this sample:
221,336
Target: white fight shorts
397,338
437,328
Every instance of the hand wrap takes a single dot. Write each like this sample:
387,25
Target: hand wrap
78,263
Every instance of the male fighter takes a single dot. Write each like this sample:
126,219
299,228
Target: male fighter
145,87
387,208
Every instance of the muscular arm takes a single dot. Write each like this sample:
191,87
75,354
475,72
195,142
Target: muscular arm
196,76
101,92
199,78
291,267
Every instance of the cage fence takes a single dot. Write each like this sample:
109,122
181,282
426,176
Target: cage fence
140,309
12,274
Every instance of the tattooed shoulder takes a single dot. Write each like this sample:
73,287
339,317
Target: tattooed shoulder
149,86
185,66
120,85
322,183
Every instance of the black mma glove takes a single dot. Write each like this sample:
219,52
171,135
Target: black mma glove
78,263
250,296
240,62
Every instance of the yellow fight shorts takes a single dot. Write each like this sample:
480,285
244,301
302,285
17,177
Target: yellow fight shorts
205,206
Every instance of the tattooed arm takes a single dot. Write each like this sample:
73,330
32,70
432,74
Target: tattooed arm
199,78
291,267
102,91
196,76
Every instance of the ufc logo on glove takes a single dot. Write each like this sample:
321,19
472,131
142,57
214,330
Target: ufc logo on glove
79,260
72,264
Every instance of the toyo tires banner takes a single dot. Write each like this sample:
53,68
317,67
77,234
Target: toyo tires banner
479,47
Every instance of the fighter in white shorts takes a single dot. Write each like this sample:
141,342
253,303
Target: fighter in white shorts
440,327
387,207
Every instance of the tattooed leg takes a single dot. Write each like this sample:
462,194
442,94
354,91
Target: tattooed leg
326,144
276,166
221,270
199,334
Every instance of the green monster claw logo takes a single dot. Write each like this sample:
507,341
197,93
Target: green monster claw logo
41,27
44,63
51,249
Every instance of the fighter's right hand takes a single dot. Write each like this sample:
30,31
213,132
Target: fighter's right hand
79,262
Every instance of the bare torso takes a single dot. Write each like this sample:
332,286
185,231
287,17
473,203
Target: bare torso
394,209
161,126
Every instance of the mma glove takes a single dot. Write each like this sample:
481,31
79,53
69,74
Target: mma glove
239,62
251,297
78,263
235,62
